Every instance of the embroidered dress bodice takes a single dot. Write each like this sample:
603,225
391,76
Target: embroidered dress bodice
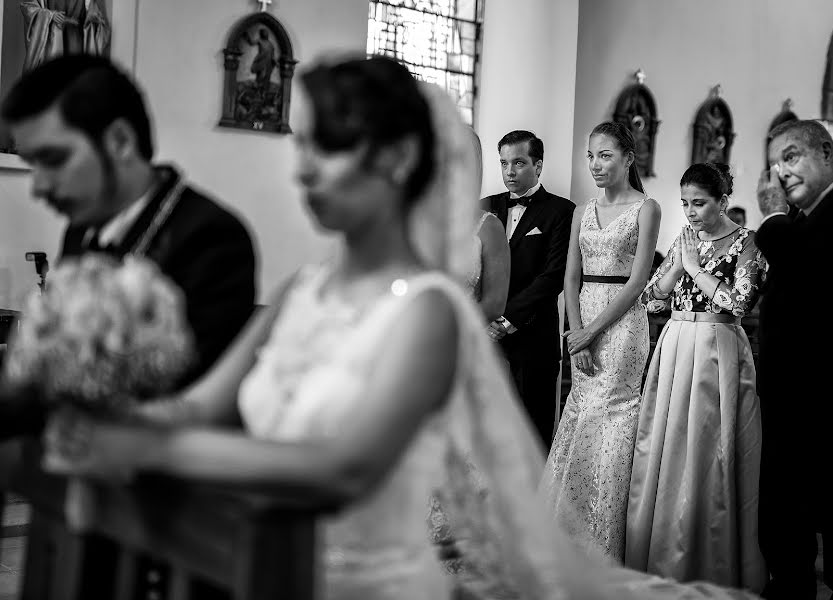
610,250
736,262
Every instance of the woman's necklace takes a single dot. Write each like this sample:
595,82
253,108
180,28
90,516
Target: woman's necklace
725,230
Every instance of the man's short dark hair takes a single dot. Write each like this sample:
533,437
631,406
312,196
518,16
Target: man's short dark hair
811,132
90,93
536,146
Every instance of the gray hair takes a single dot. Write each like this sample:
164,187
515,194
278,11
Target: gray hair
811,132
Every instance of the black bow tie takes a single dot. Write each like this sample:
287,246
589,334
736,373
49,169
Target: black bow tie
523,201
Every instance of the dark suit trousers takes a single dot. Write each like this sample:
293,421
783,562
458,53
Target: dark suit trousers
794,500
534,363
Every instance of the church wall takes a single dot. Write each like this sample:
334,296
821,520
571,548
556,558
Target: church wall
760,51
181,67
175,50
527,82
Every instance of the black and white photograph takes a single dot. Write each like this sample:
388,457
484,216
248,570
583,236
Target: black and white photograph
415,300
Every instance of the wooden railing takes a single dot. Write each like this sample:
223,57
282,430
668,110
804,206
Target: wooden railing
203,542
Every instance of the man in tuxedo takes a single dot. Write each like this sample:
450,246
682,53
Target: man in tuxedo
795,196
82,126
538,228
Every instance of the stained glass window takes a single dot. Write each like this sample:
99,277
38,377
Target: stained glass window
438,40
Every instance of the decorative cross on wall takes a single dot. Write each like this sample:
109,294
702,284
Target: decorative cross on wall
263,4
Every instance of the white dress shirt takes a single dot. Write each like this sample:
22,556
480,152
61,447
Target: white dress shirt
517,211
512,220
115,229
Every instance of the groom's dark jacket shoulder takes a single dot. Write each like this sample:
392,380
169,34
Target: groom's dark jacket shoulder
207,251
538,261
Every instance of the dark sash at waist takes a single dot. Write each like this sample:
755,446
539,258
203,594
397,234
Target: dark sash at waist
604,279
704,317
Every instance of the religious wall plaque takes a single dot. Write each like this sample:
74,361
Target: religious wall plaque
713,130
784,116
637,110
259,66
827,86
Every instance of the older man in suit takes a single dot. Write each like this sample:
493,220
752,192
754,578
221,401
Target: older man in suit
795,196
538,229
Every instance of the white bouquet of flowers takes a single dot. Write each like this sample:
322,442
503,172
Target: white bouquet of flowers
101,335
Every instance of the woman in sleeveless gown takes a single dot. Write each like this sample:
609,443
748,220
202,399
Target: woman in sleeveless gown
693,511
344,413
588,469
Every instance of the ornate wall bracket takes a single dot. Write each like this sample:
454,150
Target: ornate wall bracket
827,86
713,130
637,110
259,65
785,115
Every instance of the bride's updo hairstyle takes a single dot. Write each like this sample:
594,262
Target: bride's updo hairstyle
374,101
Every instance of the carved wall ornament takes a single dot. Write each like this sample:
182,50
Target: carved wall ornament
785,115
637,110
713,130
259,66
827,86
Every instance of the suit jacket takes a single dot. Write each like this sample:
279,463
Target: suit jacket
202,248
795,333
538,265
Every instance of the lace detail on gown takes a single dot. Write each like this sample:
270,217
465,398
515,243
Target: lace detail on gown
588,469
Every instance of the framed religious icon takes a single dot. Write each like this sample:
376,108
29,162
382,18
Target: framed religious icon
259,66
784,116
713,131
827,85
637,110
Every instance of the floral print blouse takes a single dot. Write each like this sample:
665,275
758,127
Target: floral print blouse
734,259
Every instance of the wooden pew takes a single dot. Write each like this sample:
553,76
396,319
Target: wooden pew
212,543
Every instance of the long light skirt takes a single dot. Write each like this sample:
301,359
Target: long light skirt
693,502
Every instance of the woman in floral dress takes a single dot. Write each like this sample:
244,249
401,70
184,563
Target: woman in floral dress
693,506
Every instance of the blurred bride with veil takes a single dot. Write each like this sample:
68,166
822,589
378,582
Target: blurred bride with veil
369,381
